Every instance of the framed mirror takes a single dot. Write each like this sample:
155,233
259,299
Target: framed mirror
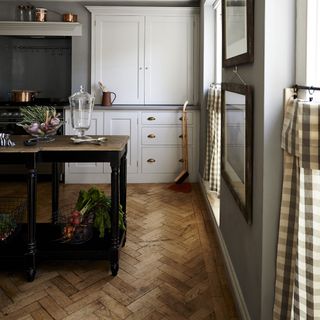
237,144
237,32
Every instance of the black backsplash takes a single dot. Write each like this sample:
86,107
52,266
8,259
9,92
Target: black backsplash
42,64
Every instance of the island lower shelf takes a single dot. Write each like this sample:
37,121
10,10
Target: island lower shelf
12,252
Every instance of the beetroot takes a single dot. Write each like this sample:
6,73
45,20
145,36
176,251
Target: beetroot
76,220
75,214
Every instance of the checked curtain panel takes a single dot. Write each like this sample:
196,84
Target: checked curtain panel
297,288
213,145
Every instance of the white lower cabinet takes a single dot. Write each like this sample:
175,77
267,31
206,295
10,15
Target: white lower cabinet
154,148
81,172
161,145
124,123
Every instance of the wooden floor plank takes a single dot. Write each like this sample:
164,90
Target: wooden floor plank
170,268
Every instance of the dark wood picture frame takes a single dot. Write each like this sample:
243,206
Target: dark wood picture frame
246,205
248,56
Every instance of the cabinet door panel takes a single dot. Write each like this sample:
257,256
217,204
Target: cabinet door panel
169,60
118,57
124,123
96,128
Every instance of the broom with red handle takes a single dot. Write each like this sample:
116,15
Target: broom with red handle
183,175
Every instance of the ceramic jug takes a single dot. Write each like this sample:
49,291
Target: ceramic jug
106,98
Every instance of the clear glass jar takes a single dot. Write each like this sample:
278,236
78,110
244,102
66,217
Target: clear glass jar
81,104
20,12
29,13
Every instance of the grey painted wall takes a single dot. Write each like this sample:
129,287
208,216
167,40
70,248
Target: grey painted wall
80,45
252,248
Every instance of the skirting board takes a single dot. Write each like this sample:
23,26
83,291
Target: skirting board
236,289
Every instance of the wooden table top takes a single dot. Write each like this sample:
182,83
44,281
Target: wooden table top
64,143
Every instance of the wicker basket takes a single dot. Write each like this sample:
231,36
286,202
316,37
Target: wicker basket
74,230
12,210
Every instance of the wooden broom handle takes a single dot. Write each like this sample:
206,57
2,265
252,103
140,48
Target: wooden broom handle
185,136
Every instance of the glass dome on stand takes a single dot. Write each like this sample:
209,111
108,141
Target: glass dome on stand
81,105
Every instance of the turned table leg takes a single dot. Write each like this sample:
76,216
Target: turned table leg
30,255
123,191
114,253
55,192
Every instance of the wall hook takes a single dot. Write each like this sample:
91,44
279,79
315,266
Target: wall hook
235,71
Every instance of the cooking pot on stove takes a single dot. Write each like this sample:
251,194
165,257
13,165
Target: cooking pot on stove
23,95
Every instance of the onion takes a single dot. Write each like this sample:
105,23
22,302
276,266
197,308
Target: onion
34,127
54,121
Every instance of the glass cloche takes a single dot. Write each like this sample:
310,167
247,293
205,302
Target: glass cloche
81,104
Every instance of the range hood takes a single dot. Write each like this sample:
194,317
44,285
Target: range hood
26,28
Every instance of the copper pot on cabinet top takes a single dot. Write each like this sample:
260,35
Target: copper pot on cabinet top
70,17
40,14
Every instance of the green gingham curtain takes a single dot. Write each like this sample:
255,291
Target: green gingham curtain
297,288
213,144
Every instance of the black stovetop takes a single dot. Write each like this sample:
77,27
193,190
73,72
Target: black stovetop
36,102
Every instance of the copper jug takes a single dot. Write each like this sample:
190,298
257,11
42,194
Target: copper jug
106,98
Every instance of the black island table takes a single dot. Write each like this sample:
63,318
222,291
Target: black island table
38,240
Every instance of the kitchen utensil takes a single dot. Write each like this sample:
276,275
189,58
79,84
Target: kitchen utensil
30,142
106,98
97,141
23,95
41,14
102,86
70,17
184,172
81,104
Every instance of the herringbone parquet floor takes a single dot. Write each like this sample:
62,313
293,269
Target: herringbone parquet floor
170,268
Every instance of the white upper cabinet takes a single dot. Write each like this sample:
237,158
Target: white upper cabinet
145,55
118,57
169,60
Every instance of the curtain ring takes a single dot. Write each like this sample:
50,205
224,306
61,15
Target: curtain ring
295,92
311,91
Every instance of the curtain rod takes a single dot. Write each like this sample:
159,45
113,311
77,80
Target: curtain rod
310,88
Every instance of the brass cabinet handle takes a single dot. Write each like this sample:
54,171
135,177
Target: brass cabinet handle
151,118
181,160
151,136
151,160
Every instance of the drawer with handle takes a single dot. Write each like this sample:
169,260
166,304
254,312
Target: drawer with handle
151,118
163,160
163,135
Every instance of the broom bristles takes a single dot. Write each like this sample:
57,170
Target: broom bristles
182,187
